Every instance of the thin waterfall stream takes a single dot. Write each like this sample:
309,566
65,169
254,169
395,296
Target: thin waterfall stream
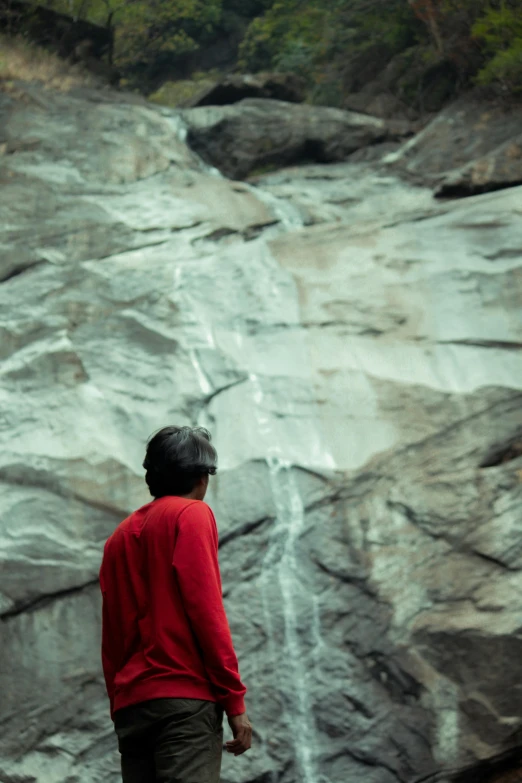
286,602
288,526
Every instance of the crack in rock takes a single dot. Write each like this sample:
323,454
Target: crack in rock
21,270
44,600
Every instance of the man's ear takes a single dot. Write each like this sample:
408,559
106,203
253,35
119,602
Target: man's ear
203,483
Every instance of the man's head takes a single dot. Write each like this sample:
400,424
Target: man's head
179,461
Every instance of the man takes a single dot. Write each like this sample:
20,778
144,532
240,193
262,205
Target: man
168,659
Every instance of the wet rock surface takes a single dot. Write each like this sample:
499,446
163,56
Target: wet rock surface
354,346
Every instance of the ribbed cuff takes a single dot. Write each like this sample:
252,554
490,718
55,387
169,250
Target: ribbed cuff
234,705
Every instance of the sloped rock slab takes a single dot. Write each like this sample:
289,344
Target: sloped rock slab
468,130
502,168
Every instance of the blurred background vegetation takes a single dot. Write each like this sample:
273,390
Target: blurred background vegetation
415,47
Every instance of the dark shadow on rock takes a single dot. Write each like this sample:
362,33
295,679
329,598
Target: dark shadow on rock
503,452
235,87
503,768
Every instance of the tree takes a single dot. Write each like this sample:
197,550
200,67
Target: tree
429,12
499,30
144,30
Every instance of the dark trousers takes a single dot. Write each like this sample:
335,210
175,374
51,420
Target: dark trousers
170,741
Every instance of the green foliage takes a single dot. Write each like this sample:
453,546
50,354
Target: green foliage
393,26
324,39
505,68
290,36
336,44
96,11
319,38
179,93
328,27
247,8
147,29
498,27
500,32
176,27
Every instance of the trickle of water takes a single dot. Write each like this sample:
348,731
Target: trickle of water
287,528
288,214
176,121
284,597
201,337
204,384
316,629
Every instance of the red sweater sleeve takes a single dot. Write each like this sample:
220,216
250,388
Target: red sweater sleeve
110,652
195,561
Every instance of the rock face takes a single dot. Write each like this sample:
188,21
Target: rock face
471,141
258,134
354,346
501,168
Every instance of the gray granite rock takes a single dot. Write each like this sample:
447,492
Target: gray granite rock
462,137
256,134
501,168
354,346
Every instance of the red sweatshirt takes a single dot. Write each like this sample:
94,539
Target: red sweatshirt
165,631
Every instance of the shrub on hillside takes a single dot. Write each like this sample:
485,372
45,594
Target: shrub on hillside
290,36
146,29
332,41
22,62
500,32
324,40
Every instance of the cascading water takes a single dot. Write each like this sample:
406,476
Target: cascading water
289,524
281,569
288,215
285,601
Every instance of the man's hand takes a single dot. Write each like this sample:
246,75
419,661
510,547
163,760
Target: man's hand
242,731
